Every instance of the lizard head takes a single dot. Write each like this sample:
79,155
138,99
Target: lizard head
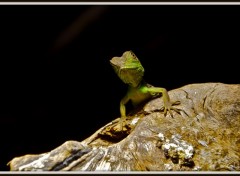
128,68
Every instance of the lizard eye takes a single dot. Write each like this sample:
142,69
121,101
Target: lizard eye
132,54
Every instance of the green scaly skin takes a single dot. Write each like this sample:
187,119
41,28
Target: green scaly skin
130,71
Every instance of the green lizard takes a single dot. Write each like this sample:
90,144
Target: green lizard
130,71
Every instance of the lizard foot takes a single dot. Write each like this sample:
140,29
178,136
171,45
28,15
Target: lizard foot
121,124
169,107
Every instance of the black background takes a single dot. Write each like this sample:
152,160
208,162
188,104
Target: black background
56,80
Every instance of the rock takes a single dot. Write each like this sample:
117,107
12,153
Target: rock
203,136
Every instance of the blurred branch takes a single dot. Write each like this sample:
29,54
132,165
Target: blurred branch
79,25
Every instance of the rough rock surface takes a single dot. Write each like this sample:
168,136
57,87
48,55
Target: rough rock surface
203,136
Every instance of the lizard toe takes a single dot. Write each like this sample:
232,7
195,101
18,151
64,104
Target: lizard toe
176,103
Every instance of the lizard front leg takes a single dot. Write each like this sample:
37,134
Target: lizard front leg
168,105
123,111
